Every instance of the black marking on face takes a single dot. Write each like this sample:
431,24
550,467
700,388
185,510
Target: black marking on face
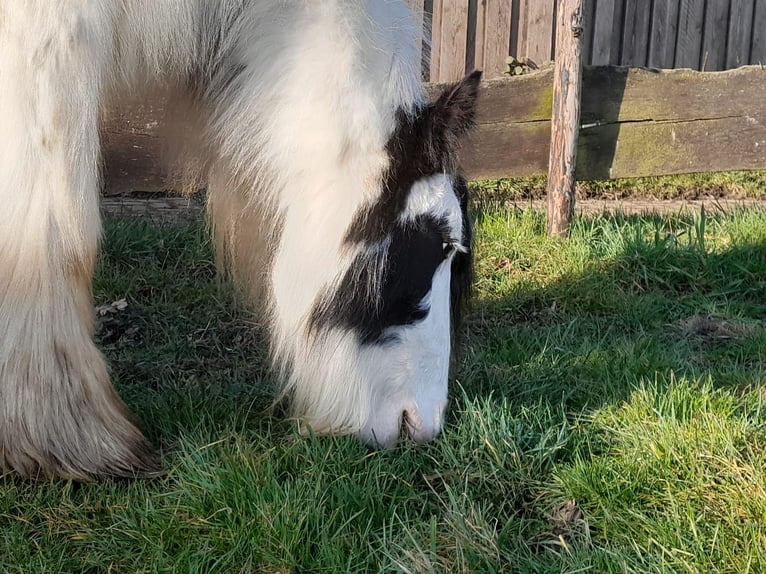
415,251
424,143
384,289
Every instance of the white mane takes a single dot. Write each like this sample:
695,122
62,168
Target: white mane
300,99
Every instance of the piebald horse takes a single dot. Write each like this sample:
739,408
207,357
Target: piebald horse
333,193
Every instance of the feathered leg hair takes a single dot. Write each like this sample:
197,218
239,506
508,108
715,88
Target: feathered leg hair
59,415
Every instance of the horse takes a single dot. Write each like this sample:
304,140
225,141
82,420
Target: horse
334,198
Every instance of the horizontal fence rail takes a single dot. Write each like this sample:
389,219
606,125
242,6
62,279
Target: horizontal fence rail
634,122
704,35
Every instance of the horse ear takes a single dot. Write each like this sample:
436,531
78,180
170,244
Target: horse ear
455,110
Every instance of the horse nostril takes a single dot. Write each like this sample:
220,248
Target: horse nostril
419,429
411,422
405,427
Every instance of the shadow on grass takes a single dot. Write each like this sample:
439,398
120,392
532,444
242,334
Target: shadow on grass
647,307
184,354
658,305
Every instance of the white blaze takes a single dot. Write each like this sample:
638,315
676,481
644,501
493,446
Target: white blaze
417,366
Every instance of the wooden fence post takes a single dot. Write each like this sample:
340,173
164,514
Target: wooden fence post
565,120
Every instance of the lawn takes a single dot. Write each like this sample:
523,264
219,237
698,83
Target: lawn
607,415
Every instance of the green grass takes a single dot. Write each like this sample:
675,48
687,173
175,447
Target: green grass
607,415
731,185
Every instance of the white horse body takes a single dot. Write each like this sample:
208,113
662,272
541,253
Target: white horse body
298,104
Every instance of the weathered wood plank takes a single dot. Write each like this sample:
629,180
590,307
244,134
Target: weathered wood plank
710,34
617,26
132,149
602,24
664,33
627,95
714,39
621,150
436,38
539,31
628,34
503,150
643,31
522,15
691,21
758,47
635,43
664,148
522,99
629,117
493,28
625,118
635,95
475,47
589,14
740,33
453,33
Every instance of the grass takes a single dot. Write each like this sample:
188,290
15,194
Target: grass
607,415
731,185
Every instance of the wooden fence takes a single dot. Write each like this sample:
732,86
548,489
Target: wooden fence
635,122
699,34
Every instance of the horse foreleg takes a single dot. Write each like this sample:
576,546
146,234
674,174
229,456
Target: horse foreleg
59,415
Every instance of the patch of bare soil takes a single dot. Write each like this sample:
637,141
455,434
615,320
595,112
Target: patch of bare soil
710,329
114,326
568,526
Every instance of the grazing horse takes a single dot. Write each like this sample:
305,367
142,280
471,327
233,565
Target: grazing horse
334,200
